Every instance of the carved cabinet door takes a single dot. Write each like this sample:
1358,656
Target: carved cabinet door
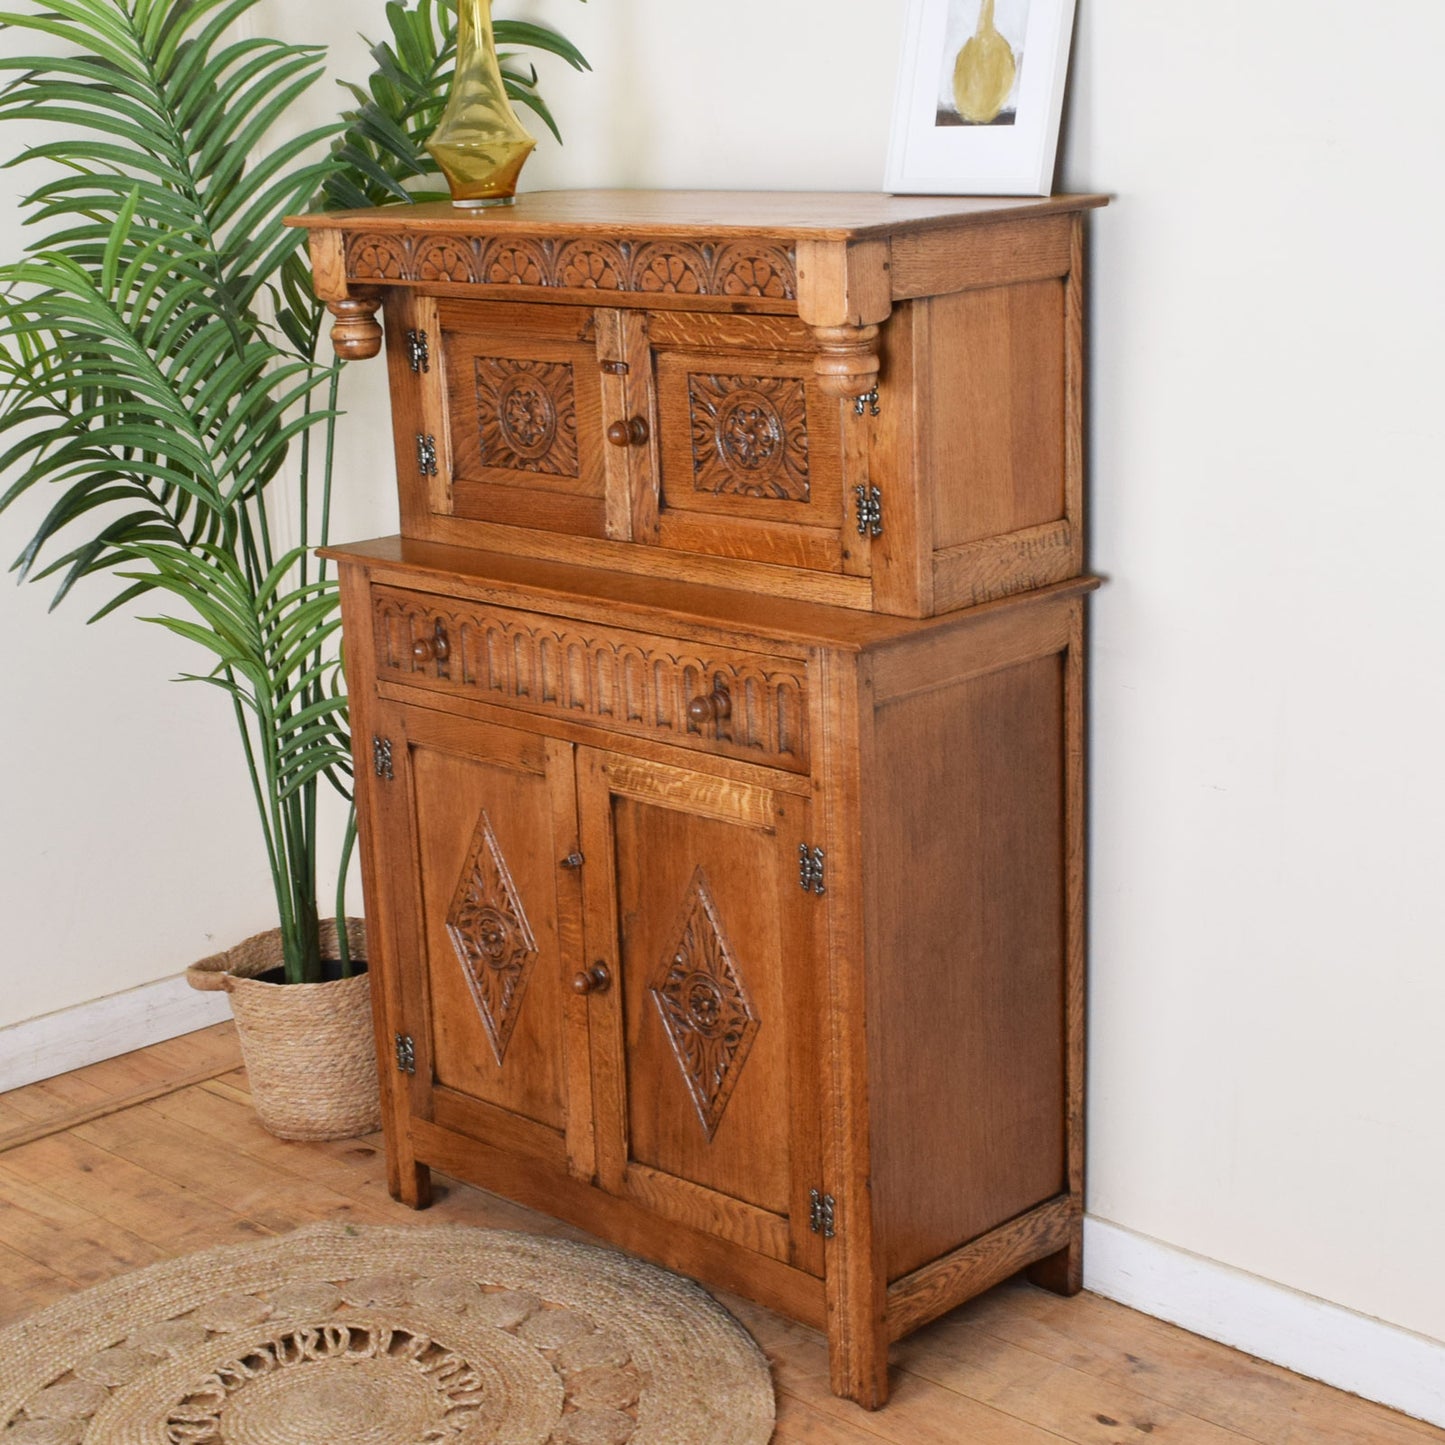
523,433
751,454
705,1037
476,850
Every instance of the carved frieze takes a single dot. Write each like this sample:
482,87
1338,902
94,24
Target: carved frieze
759,269
527,415
749,436
704,1006
488,929
626,682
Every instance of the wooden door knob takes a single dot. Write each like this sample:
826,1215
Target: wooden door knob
597,979
632,433
434,648
712,706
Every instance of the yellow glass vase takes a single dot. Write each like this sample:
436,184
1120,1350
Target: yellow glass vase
479,144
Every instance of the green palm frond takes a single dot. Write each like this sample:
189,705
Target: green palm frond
159,105
132,387
159,349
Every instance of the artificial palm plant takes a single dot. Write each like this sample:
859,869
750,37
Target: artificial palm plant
160,352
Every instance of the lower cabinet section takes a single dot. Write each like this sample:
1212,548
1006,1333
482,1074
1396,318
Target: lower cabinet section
812,1036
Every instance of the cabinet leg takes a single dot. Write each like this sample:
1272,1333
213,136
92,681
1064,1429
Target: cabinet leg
412,1186
1061,1273
859,1370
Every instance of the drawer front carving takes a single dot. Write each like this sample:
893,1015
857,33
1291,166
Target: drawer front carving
740,705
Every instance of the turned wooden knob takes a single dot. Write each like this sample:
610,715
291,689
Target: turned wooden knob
712,706
434,648
597,979
632,433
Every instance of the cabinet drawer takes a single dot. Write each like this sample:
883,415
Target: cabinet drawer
753,707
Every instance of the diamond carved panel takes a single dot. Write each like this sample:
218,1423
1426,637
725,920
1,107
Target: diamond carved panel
704,1006
490,933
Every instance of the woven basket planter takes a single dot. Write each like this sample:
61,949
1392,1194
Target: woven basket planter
309,1047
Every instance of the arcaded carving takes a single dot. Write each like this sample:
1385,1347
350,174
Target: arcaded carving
704,1005
627,682
445,258
750,436
591,266
379,258
515,263
527,415
670,267
759,269
492,938
749,269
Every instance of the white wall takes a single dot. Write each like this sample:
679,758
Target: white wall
1267,704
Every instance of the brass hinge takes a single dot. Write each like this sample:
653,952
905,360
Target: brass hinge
426,455
405,1054
810,869
418,351
821,1214
867,404
381,758
870,511
616,368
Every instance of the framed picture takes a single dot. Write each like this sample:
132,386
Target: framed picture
980,94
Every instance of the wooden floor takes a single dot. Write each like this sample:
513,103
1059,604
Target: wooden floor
158,1154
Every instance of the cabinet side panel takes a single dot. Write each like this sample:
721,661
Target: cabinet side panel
994,411
965,850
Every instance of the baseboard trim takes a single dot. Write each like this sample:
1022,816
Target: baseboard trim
1310,1336
104,1029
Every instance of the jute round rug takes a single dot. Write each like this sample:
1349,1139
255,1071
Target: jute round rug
348,1335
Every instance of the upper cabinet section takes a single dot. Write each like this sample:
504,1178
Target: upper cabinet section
868,401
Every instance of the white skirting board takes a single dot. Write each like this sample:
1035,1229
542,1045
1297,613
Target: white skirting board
1310,1336
105,1028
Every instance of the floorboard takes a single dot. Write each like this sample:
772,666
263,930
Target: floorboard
158,1154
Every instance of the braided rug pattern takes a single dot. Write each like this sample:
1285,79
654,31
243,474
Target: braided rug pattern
382,1336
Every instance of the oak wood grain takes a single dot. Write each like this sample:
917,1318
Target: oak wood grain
950,1279
724,364
817,215
1003,253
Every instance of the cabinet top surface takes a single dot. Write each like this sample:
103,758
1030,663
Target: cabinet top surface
807,215
651,603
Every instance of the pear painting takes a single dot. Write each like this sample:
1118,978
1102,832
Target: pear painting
983,58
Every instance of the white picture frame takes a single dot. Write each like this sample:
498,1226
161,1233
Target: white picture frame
936,151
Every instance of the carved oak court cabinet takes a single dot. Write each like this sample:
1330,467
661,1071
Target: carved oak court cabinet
718,728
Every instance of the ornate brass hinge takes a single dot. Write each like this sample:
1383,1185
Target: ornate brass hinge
426,455
867,404
821,1214
810,869
405,1054
870,511
418,351
381,758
